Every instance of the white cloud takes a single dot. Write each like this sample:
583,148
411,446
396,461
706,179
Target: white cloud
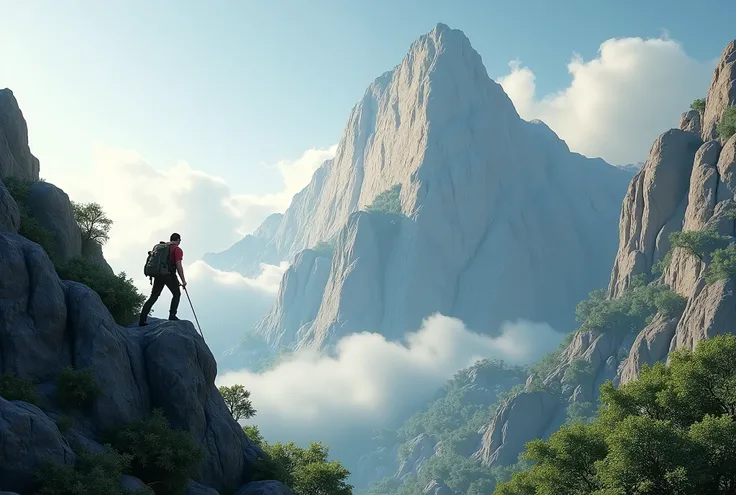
147,203
227,304
369,380
619,102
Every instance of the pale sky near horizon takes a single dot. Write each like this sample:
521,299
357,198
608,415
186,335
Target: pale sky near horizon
239,91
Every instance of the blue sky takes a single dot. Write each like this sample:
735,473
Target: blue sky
234,88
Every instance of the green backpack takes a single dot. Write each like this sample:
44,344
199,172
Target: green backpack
158,262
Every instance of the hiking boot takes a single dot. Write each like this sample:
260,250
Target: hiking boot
142,323
173,318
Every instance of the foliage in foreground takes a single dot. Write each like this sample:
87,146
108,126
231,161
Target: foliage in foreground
672,431
93,474
306,471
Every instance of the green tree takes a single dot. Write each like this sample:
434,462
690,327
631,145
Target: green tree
727,126
722,265
699,243
93,222
698,105
237,399
672,431
388,201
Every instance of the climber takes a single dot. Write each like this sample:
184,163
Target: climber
163,262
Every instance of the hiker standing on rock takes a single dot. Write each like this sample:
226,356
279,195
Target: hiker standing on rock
163,262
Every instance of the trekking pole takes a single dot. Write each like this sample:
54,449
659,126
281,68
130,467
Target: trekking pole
195,314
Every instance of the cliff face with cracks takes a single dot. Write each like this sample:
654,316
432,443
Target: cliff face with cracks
687,184
487,203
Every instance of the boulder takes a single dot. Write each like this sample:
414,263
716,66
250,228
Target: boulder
52,208
691,121
28,438
268,487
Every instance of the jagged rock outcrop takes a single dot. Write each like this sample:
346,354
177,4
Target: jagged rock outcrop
47,323
9,212
691,121
16,159
653,206
650,346
528,415
421,449
437,487
722,91
482,193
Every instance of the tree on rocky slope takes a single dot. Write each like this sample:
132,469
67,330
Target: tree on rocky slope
670,431
237,400
93,222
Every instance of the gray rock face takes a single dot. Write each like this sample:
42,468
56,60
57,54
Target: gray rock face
9,211
299,298
722,91
28,438
93,252
422,448
482,193
246,255
727,170
53,209
526,416
46,324
691,121
16,159
650,346
265,488
194,488
131,483
653,198
437,487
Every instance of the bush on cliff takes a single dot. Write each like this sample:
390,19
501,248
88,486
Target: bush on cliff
13,387
77,388
723,264
388,201
670,431
117,292
727,126
161,456
698,105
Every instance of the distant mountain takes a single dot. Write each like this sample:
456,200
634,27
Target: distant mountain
478,214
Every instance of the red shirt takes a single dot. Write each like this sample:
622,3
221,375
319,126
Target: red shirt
175,254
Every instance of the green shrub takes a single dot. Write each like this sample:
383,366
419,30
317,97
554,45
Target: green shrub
77,388
389,201
581,412
669,303
727,125
13,387
162,457
93,474
577,370
117,292
723,264
64,423
698,105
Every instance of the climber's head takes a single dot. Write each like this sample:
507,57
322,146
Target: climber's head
175,238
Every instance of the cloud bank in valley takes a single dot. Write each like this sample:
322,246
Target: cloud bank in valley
618,102
369,380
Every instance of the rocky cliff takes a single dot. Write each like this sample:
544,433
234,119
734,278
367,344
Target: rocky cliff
71,379
48,205
686,186
493,218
